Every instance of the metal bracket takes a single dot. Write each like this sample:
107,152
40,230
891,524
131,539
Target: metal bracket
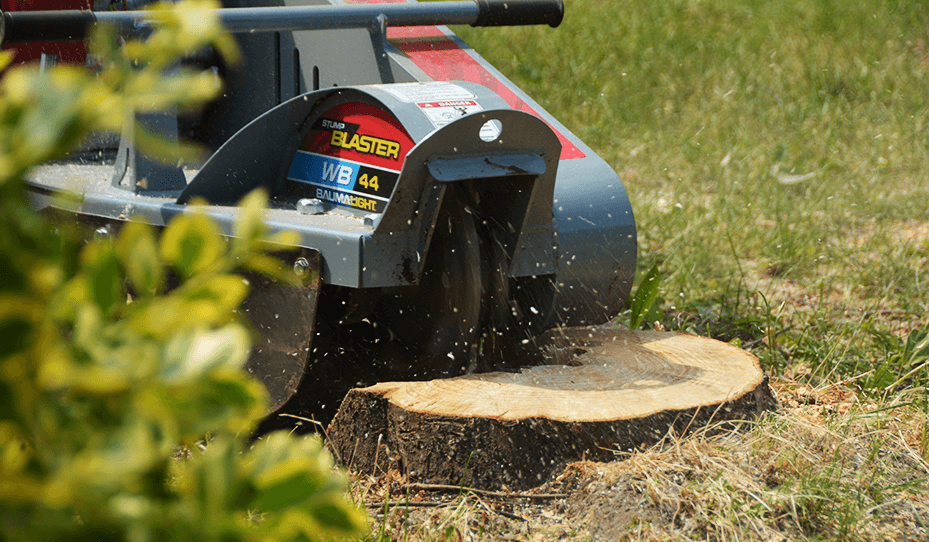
378,31
136,172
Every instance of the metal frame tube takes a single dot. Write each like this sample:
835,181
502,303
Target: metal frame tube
26,26
289,18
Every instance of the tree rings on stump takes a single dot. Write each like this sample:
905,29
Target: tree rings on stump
602,391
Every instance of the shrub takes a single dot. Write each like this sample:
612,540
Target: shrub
104,372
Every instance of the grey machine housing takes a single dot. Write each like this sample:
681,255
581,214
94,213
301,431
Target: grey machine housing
570,219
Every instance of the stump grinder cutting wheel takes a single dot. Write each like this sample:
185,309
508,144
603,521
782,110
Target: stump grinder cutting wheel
446,212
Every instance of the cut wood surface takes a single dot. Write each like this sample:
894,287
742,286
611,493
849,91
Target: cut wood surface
601,392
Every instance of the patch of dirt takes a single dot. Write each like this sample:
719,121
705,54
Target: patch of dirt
604,499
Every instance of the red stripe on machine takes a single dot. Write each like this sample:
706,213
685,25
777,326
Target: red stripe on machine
443,60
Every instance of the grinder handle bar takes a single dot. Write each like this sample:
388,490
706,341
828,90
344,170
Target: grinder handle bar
66,25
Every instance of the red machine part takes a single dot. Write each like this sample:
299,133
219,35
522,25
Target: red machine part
66,52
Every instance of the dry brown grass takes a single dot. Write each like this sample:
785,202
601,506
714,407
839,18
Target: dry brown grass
826,465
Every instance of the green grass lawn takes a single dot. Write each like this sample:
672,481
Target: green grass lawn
776,157
775,154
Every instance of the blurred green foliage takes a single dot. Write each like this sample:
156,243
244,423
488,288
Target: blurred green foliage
105,372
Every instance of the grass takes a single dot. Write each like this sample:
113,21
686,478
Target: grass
775,155
796,474
777,159
826,466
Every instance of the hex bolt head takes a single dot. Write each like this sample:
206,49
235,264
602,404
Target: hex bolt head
372,220
310,206
301,267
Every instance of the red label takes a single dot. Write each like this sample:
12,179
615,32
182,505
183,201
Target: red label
362,133
451,103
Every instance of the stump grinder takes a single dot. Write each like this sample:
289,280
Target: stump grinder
449,217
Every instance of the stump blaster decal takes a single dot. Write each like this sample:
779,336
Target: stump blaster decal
351,158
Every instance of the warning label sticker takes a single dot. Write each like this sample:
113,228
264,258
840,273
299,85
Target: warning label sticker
447,111
444,112
427,92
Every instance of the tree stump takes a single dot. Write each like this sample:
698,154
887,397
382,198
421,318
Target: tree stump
602,391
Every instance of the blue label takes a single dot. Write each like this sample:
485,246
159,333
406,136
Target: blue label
324,170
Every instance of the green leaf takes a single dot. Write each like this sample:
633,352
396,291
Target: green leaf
282,240
5,58
211,482
223,401
16,331
20,489
104,385
336,517
297,486
287,470
211,301
88,331
192,243
138,252
165,150
204,301
273,267
8,406
644,298
103,276
250,226
286,493
191,355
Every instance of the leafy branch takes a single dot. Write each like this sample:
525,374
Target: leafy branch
105,371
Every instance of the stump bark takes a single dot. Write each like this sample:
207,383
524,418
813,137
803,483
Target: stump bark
602,391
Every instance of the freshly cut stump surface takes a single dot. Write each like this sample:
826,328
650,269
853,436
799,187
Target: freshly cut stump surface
602,391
